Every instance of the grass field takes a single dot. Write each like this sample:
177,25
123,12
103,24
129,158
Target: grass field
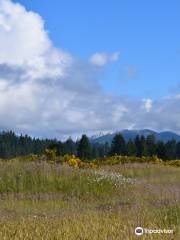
39,200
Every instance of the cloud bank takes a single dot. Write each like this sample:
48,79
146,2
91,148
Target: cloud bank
46,92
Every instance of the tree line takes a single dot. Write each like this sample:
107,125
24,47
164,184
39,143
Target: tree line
12,145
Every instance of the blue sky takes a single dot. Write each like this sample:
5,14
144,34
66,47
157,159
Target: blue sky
73,67
146,33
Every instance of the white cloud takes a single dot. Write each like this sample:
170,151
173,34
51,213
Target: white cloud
101,59
24,42
46,92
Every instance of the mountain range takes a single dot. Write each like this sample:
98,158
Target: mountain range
131,134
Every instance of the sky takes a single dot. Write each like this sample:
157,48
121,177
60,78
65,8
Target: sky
146,33
73,67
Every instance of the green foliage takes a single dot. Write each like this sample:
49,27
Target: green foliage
118,145
118,159
141,147
130,148
12,146
84,148
151,145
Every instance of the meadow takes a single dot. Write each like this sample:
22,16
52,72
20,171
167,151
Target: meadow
54,200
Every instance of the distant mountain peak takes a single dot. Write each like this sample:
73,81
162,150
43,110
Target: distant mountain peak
131,134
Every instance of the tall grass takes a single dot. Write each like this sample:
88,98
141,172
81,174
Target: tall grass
54,201
38,178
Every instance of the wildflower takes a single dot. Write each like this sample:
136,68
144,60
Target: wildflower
116,178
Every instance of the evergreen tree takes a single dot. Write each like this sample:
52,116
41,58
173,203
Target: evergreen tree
61,149
130,148
160,150
94,151
151,145
118,145
178,150
84,148
70,147
141,147
170,150
138,146
12,145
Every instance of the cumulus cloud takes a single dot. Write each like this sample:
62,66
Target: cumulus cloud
24,42
43,90
46,92
101,59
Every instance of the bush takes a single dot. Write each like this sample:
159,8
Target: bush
74,161
50,154
133,159
173,163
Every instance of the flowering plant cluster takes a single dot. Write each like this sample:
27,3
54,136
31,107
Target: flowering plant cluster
118,159
115,177
74,161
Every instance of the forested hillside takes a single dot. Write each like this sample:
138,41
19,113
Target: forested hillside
12,145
